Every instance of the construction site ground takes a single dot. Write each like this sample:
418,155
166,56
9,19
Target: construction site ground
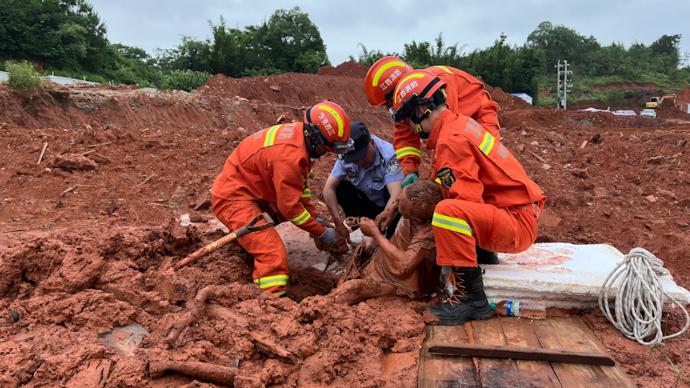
85,233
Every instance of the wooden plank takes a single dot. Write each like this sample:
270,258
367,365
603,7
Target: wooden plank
519,332
521,353
443,371
617,372
493,372
562,333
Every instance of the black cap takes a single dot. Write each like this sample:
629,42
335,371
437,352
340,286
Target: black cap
360,135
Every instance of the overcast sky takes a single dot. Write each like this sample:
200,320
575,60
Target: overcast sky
388,25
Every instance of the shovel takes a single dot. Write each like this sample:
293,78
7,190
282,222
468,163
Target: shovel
221,242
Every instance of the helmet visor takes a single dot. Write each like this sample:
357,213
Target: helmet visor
341,148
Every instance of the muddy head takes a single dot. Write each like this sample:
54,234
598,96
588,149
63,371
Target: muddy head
418,200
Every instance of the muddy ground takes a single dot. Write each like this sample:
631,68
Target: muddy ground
85,233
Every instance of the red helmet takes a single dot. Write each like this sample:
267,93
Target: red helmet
416,88
333,124
382,77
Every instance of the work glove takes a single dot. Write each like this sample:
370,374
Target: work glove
328,237
410,179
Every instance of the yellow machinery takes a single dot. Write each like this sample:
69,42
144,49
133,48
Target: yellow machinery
655,102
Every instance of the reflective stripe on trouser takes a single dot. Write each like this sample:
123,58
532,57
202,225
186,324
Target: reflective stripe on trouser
459,226
270,256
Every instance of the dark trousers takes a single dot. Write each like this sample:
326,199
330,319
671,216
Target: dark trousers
356,204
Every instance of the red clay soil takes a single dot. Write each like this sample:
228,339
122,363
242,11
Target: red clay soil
345,69
85,234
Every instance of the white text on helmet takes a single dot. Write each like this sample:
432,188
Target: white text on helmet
407,89
326,124
389,81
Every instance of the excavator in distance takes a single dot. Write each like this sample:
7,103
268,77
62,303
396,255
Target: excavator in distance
657,102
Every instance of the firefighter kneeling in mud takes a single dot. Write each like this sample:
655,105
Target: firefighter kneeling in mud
403,265
489,202
267,172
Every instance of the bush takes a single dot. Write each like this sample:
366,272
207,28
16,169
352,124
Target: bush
615,98
23,77
187,80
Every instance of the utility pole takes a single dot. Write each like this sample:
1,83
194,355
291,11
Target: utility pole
563,84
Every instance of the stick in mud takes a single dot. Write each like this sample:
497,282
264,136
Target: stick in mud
148,178
43,151
204,371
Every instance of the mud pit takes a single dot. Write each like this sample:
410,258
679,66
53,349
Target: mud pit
81,248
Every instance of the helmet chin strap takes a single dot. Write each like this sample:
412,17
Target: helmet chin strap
314,139
417,120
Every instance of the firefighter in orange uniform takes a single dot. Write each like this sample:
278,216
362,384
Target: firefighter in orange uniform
490,201
268,171
465,95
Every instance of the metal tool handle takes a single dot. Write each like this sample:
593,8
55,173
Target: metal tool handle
252,227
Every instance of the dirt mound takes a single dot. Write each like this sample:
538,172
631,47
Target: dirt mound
345,69
292,89
62,289
506,101
81,248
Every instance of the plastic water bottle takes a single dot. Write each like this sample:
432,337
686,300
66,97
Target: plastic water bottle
514,308
507,308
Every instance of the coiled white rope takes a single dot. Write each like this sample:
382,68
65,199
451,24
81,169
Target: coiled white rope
639,299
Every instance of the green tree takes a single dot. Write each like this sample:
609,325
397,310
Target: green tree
561,42
667,52
63,34
291,42
367,57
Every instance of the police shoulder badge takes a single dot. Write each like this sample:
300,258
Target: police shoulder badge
393,166
445,175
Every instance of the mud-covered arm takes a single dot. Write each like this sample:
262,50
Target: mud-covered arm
401,262
331,199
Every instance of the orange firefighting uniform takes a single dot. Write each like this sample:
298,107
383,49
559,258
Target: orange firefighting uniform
464,95
267,172
490,200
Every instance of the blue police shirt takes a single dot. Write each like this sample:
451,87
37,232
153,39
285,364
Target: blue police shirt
373,180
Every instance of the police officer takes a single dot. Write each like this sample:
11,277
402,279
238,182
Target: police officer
365,180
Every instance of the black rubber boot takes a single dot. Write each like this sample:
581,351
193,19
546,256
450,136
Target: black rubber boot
466,299
486,257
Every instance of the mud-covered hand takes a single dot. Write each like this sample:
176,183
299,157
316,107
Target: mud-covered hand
385,218
366,248
368,227
410,179
343,234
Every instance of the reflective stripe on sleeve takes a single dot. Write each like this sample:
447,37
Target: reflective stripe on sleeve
453,224
444,68
306,193
487,144
302,218
271,135
271,281
408,151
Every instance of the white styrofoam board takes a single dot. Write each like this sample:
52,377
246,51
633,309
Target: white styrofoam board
560,275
